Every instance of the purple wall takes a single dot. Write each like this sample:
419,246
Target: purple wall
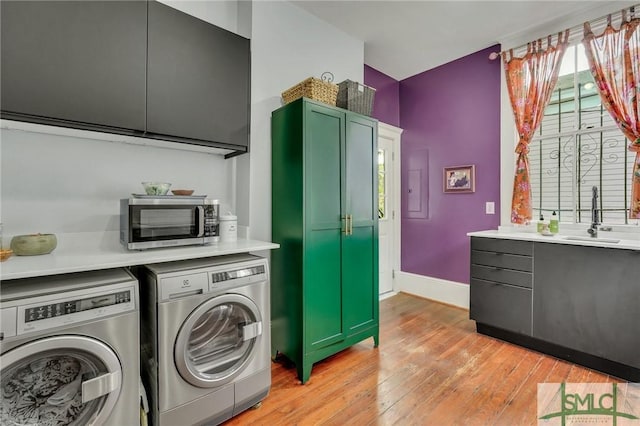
386,102
450,116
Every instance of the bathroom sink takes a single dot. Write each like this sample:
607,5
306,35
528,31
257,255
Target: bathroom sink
591,239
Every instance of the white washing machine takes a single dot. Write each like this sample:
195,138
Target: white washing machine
205,353
69,350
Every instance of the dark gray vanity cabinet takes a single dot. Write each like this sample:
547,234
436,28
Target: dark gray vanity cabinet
588,299
74,63
501,282
198,85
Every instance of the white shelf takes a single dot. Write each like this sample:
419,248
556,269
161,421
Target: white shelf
86,251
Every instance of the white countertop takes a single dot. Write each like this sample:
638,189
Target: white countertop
627,242
85,251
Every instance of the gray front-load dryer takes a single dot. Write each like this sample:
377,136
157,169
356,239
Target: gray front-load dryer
205,332
69,350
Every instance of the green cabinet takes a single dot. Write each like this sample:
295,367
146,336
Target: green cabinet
324,277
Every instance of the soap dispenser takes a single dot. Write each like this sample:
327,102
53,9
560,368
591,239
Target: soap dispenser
541,224
553,223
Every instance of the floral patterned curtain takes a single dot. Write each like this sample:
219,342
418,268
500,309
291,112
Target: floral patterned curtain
530,81
614,59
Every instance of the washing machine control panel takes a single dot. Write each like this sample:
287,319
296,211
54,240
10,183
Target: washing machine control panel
42,313
67,307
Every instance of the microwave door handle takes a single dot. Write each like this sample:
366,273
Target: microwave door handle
200,213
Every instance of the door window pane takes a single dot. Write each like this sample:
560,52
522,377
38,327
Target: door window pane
382,184
217,345
46,389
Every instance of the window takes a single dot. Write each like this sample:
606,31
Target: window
578,146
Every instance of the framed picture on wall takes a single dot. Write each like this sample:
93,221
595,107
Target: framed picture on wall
460,179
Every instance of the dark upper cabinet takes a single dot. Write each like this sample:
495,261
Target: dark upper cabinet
198,83
130,67
74,63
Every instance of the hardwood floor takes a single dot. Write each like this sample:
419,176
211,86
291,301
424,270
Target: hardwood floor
431,368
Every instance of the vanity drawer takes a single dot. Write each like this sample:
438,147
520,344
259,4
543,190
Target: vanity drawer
501,306
502,260
523,248
500,275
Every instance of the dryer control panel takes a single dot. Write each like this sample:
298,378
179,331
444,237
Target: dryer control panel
222,278
197,281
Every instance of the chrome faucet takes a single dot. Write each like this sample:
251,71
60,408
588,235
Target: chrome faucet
593,230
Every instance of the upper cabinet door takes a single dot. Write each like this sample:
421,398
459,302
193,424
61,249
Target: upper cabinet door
198,79
361,169
74,61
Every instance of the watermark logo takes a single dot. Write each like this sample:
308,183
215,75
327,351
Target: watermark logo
572,404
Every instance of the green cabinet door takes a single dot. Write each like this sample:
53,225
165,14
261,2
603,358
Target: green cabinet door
323,174
360,246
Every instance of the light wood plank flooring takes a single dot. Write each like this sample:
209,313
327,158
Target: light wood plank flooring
431,368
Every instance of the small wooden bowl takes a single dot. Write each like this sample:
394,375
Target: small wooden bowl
182,191
5,254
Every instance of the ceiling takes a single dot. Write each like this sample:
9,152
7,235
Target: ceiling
404,38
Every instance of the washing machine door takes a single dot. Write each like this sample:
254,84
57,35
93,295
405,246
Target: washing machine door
61,380
217,340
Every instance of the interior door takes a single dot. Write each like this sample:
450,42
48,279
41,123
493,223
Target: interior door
360,244
386,215
59,380
389,138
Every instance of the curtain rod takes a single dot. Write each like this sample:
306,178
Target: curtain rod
596,25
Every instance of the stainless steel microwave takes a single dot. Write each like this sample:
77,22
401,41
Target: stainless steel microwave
167,221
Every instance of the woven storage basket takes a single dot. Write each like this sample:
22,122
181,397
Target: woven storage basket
312,88
355,97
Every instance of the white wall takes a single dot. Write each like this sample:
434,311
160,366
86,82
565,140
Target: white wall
288,45
58,184
223,13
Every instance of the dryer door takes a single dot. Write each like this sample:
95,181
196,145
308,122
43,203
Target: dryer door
217,340
61,380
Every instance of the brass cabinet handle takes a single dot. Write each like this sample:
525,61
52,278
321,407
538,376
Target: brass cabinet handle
348,224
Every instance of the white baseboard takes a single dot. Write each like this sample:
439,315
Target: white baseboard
387,295
449,292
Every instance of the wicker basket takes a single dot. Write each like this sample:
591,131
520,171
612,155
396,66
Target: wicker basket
355,97
312,88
